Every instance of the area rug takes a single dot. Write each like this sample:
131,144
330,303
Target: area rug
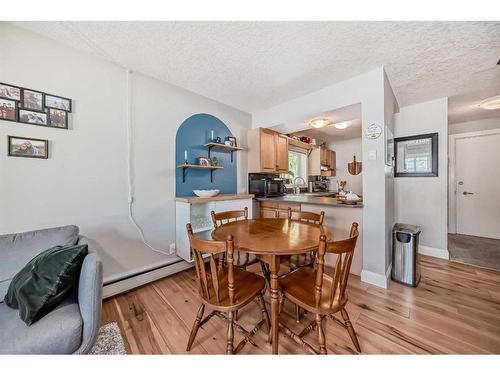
476,251
109,341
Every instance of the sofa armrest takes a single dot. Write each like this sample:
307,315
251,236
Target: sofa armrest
90,298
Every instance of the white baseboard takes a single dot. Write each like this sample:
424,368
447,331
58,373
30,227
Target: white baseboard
433,252
145,278
375,278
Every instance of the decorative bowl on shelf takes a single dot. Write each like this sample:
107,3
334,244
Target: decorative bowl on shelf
206,193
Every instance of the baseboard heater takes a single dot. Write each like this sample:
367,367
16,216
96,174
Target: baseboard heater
134,280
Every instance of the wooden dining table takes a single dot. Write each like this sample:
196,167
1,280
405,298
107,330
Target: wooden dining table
269,240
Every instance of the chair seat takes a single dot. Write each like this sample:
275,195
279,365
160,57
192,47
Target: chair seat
298,287
247,285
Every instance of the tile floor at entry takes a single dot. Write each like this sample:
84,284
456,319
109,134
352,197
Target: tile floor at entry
478,251
455,309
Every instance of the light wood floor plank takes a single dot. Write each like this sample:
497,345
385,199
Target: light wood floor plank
455,309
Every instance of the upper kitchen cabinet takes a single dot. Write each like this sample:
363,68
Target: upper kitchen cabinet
268,151
322,162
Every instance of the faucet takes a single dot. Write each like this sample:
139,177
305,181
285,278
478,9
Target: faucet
296,188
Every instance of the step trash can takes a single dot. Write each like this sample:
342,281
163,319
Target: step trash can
405,266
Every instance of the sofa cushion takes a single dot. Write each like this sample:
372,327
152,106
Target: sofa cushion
59,332
45,281
17,249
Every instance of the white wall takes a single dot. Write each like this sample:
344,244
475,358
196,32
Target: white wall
345,149
474,126
370,90
423,200
390,108
84,181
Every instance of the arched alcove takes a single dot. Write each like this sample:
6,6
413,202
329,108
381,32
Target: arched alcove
191,136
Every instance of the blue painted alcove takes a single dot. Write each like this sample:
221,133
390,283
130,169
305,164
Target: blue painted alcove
193,133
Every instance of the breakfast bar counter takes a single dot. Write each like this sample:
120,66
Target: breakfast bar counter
338,217
309,199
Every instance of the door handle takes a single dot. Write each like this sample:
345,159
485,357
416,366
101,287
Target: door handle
467,193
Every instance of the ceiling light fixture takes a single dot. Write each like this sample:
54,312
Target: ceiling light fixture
342,125
490,103
318,123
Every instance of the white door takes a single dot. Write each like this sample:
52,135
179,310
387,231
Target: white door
478,185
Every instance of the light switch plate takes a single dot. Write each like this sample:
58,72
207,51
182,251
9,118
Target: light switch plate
372,155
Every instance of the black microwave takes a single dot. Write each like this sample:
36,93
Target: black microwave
265,185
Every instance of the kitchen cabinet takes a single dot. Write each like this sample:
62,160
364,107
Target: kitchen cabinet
271,210
324,156
322,162
281,142
268,151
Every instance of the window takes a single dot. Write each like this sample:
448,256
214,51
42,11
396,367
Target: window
417,156
297,164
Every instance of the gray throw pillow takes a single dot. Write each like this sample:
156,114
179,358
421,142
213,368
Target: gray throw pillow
45,281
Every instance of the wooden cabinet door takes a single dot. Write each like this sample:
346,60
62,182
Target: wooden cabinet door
267,151
333,159
266,213
281,153
323,155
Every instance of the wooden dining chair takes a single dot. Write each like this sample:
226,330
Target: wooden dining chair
241,259
321,294
302,260
225,289
297,261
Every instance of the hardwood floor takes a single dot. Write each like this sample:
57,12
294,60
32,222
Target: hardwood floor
455,309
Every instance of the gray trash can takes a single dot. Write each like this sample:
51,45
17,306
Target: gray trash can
405,267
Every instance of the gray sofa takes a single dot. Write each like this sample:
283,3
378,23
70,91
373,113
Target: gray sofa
71,327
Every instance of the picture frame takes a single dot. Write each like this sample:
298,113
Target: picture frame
10,92
206,162
32,100
58,102
232,140
28,116
27,147
416,156
8,110
57,118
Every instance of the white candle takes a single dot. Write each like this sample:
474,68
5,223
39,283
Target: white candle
212,135
185,156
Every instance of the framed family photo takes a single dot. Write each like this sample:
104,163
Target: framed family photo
8,110
58,102
28,147
32,100
33,117
58,118
10,92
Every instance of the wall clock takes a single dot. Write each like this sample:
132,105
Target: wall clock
373,131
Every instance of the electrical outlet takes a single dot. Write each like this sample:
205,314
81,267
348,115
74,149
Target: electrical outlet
171,248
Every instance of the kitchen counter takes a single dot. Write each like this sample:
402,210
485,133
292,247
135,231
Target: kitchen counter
308,198
220,197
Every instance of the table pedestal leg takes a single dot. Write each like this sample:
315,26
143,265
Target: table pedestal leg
274,266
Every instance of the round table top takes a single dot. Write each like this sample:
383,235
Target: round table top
272,236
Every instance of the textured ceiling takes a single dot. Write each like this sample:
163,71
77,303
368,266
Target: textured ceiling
255,65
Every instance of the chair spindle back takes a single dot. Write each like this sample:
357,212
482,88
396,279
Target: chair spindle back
308,217
221,218
345,251
208,276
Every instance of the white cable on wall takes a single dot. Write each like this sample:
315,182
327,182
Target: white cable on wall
71,27
129,172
